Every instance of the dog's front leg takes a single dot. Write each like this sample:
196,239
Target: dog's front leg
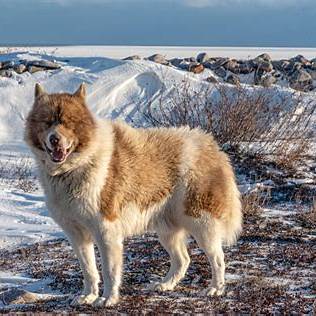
111,250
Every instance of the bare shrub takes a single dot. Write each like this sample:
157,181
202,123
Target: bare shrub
255,121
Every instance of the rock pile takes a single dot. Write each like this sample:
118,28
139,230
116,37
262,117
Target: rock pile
9,67
298,72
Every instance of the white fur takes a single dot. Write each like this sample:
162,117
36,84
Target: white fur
73,202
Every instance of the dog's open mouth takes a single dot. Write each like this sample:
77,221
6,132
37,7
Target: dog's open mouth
58,154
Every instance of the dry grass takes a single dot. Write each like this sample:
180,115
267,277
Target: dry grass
18,173
260,122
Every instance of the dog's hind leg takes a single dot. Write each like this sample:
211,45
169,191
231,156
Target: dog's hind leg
213,250
83,247
175,245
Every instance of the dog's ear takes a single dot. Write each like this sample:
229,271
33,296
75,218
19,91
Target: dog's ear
81,92
39,91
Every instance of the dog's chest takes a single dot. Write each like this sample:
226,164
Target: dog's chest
71,199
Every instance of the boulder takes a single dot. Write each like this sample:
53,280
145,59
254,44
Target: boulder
301,80
245,68
301,59
159,59
312,72
20,68
7,64
6,73
267,80
196,68
33,69
221,72
231,65
211,79
202,58
190,59
48,65
133,57
265,65
233,79
184,65
175,61
263,56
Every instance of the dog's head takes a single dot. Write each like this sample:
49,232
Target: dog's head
59,126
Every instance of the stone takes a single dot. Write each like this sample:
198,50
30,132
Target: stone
221,72
48,65
6,73
258,75
20,68
202,57
184,65
263,56
245,68
301,59
312,72
231,65
267,80
265,65
190,59
33,69
175,61
233,79
133,57
211,79
196,68
301,80
7,64
159,59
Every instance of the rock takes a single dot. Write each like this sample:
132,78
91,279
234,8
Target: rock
215,63
6,73
196,68
184,65
313,65
301,80
258,75
231,65
133,57
190,59
210,65
7,64
175,61
211,79
245,68
159,59
267,80
312,72
221,72
20,68
233,79
301,59
263,56
33,69
48,65
202,57
265,65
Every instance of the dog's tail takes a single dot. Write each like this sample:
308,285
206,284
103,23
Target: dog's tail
232,221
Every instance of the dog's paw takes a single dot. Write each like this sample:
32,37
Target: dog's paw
106,301
83,299
215,291
160,287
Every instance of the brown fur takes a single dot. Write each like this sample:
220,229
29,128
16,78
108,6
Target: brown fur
70,115
140,173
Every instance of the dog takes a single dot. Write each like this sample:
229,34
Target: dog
105,181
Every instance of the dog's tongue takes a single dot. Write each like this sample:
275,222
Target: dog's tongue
58,154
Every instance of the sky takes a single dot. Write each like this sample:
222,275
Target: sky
258,23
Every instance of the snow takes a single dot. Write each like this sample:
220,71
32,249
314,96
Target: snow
116,89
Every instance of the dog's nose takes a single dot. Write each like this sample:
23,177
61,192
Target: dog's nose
53,139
